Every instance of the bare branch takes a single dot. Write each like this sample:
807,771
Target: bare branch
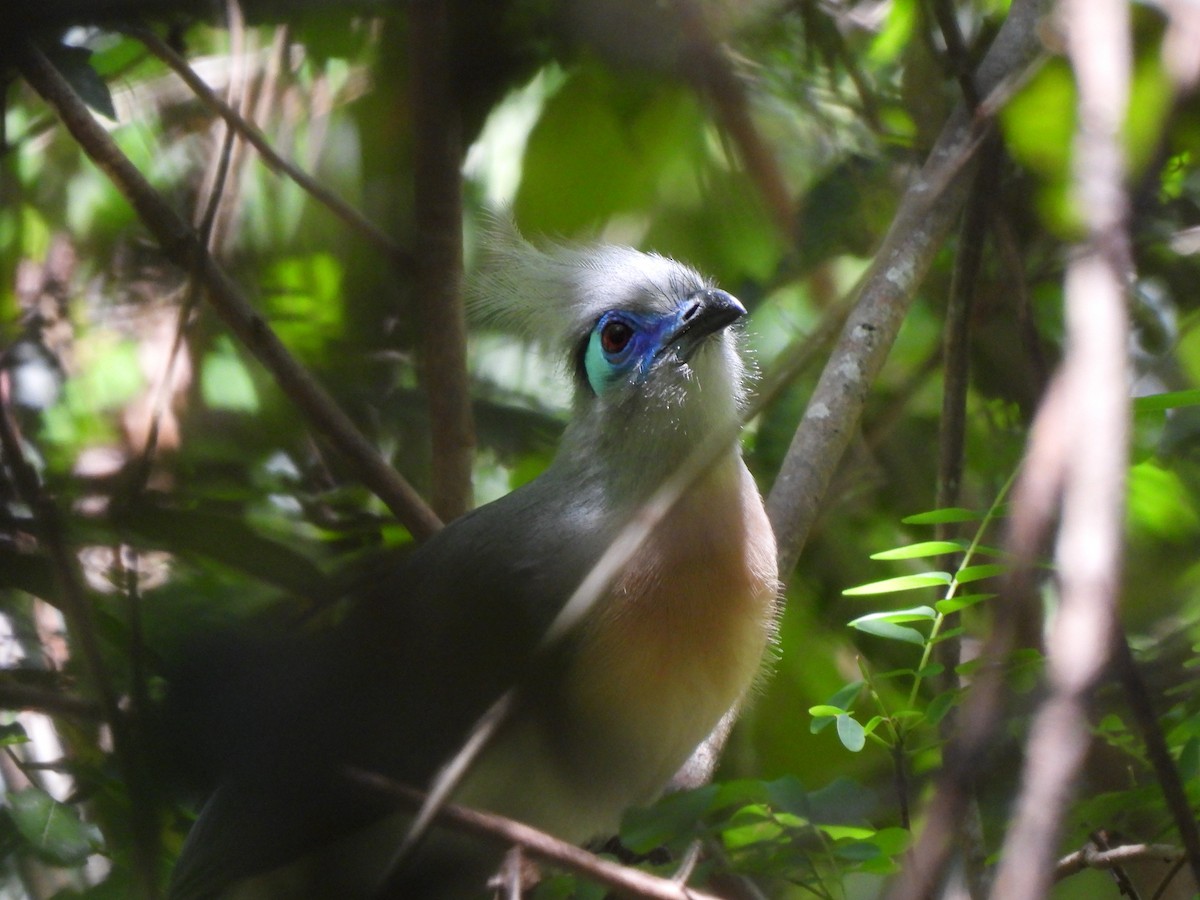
1094,425
14,695
439,310
539,845
180,245
1092,857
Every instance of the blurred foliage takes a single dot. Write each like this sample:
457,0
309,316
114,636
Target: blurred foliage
582,119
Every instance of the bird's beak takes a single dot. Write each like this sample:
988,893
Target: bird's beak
703,313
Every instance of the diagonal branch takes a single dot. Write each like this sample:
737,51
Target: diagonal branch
926,215
625,880
181,246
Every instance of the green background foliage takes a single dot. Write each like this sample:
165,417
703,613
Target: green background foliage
246,516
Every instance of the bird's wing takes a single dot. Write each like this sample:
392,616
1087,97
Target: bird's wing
394,690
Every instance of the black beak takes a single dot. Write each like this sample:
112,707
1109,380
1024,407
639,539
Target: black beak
704,313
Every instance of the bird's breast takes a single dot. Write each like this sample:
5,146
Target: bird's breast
679,640
675,644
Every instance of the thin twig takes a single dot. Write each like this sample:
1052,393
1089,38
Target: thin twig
956,50
1160,757
180,245
956,348
14,695
396,254
539,845
1092,857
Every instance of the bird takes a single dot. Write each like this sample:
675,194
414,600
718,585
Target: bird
608,714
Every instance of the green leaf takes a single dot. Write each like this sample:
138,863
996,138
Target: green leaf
825,710
943,516
857,851
902,583
13,733
922,550
840,702
1189,759
891,632
978,573
939,706
788,794
892,841
915,614
74,64
851,733
225,382
842,832
675,814
948,633
954,604
53,829
1168,400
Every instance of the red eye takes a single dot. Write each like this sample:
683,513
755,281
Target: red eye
615,336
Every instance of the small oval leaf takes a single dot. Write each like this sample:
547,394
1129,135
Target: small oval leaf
851,733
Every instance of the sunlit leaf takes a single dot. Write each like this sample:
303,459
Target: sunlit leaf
1167,400
901,583
922,550
825,710
915,614
978,573
962,601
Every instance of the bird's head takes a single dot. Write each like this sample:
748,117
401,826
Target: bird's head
646,339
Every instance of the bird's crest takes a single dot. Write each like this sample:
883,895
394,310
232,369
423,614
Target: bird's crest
553,295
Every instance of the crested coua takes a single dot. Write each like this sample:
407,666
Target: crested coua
607,716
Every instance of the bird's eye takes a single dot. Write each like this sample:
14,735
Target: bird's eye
615,336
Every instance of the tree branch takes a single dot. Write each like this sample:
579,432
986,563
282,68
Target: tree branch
927,213
1092,857
440,313
1094,427
539,845
181,246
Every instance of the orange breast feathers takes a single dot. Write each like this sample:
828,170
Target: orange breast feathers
682,636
